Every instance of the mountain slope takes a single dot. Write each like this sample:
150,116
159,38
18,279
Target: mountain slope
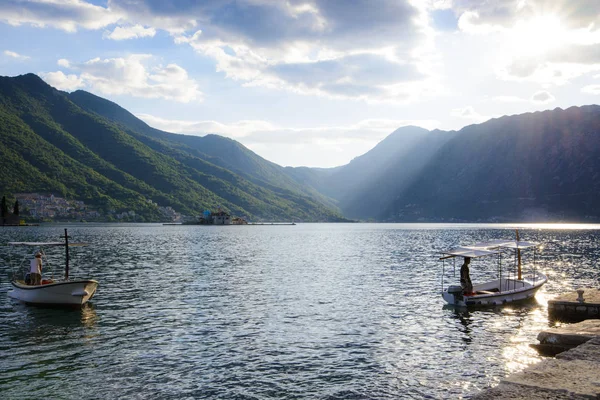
223,152
108,159
540,166
369,183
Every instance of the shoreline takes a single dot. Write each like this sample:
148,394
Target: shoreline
571,374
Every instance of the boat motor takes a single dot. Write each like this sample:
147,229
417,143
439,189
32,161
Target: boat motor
456,291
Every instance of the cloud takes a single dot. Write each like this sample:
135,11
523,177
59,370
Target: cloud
372,53
259,131
323,146
508,99
505,14
542,97
591,89
468,112
375,53
549,42
131,32
15,55
133,75
63,82
65,15
234,130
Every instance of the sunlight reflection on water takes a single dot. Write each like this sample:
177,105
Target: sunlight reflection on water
305,311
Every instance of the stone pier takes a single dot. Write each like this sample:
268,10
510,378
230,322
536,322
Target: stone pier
575,306
573,374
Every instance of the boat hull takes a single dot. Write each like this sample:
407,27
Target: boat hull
65,293
509,291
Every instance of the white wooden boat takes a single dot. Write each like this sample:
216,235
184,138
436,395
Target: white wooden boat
51,292
503,289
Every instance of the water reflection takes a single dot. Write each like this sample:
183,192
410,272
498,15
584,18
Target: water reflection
41,324
317,311
463,316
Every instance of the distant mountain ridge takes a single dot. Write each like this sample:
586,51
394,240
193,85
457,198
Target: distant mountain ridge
81,146
542,166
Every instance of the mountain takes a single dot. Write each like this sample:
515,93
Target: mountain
541,166
370,183
218,150
83,147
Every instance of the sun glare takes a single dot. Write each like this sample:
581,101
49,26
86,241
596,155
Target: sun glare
537,35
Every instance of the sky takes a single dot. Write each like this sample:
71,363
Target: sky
310,82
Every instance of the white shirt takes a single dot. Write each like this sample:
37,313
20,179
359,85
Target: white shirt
36,265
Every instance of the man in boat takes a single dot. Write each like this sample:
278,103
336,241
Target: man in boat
465,278
35,272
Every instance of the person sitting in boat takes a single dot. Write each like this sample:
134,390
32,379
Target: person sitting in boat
465,278
35,272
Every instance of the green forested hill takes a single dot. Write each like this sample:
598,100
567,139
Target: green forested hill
217,150
63,143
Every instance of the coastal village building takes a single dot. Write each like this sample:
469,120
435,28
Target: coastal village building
50,206
221,218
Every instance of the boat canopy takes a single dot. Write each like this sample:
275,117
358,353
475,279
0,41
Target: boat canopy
505,244
471,252
483,249
44,244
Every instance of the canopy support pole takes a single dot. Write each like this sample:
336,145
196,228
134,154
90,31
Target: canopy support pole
520,277
66,255
443,267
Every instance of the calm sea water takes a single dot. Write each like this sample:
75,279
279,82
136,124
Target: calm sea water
318,311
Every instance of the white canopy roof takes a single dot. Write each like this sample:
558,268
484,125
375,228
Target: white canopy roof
506,244
44,244
471,252
483,249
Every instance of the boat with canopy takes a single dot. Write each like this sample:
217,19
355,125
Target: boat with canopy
55,292
509,286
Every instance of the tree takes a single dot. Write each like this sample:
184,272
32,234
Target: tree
16,208
3,208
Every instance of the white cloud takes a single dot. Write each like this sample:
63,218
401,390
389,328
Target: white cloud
259,131
591,89
549,42
508,99
328,145
131,32
63,82
67,15
319,47
15,55
134,75
259,42
233,130
542,97
505,14
468,112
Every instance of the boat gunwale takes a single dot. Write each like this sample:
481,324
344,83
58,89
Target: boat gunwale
17,285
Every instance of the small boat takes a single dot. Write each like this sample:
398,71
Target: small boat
52,292
504,288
